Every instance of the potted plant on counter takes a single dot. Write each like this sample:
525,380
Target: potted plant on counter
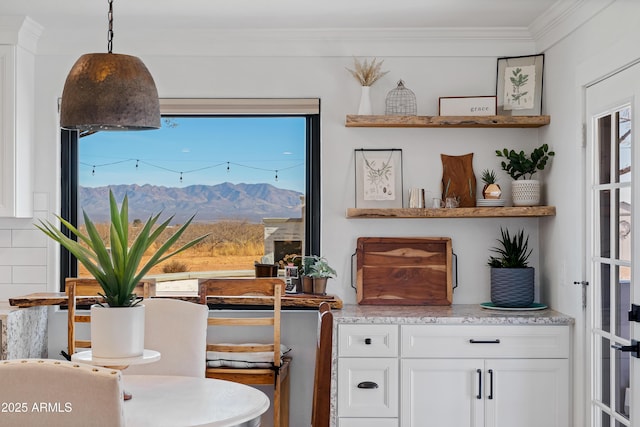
512,280
525,191
117,327
321,272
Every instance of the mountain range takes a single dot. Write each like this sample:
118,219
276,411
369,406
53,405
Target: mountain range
251,202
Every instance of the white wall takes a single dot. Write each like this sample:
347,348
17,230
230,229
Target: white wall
601,46
284,65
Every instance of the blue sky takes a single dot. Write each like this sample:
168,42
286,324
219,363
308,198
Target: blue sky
206,151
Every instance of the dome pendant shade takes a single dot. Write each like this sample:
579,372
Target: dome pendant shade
108,91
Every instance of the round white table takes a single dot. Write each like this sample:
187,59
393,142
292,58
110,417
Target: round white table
148,356
172,401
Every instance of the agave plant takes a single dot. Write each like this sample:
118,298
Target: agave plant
117,268
514,251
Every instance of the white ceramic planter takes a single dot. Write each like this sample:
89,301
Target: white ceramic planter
117,332
365,101
525,192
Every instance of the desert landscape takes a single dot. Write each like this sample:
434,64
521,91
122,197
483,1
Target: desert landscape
229,245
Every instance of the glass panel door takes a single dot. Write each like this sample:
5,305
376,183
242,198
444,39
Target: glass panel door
611,108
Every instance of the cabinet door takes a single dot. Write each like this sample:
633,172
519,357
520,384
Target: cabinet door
442,393
367,387
527,392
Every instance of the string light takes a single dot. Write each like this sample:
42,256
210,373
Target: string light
182,173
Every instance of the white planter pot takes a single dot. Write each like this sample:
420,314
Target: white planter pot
117,332
525,192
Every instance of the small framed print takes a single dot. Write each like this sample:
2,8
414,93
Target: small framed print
519,85
467,106
378,178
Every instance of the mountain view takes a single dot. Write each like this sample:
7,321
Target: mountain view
251,202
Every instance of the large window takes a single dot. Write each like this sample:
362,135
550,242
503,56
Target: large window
248,170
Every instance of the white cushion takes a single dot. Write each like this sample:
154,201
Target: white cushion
256,359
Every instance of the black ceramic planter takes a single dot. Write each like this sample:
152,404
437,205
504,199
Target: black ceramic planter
512,287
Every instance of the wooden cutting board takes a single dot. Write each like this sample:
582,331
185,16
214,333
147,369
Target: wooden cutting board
404,271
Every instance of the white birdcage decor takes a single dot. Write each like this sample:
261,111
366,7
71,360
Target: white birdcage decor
401,101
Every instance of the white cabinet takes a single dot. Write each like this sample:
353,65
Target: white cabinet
368,383
492,376
452,375
17,111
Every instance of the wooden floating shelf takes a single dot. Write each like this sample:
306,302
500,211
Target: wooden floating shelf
477,212
447,121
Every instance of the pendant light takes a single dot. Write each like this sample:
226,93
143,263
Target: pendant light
108,91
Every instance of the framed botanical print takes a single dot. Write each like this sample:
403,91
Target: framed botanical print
378,178
519,85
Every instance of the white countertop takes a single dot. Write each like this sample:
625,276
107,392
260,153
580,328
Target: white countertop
447,315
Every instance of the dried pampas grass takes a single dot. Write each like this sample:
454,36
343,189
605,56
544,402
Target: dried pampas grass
367,74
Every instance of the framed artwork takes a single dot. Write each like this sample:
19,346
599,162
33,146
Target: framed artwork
519,85
378,178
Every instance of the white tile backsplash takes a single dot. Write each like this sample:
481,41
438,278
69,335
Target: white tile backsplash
28,239
29,274
23,256
5,238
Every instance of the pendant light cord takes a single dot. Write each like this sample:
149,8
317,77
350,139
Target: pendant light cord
110,32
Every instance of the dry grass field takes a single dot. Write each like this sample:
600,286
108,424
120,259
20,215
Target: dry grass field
230,245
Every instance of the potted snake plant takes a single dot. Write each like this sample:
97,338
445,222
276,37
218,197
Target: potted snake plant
117,325
512,280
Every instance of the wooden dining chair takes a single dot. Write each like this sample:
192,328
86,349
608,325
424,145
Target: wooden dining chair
321,408
250,363
49,392
89,289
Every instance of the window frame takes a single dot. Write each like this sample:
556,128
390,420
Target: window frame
276,107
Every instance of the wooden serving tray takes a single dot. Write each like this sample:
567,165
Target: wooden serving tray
404,271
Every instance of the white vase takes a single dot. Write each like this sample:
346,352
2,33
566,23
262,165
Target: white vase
365,102
525,192
117,332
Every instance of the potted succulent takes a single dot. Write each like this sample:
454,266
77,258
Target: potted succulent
118,268
320,272
512,280
525,191
490,190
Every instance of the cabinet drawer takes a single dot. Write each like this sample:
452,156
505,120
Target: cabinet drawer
367,340
368,422
368,387
464,341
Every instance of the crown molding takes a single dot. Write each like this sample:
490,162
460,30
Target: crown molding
386,42
562,19
20,30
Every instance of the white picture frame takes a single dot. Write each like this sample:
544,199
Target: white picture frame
467,106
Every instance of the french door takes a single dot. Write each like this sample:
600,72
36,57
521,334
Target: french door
613,253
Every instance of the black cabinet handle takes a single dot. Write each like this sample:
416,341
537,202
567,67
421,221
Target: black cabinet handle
479,395
490,384
368,384
367,341
473,341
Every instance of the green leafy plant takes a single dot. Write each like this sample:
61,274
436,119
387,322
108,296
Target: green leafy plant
117,268
513,251
489,176
320,268
519,165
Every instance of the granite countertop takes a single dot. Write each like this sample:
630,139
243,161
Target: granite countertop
456,314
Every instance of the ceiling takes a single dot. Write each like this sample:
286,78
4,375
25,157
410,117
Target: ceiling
291,14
